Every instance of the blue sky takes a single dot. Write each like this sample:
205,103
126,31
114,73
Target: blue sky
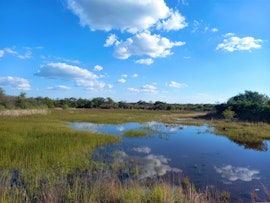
185,51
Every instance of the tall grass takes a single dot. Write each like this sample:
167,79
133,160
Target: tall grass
43,160
37,153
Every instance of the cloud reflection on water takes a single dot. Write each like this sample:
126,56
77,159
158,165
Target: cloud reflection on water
86,126
232,173
145,150
151,165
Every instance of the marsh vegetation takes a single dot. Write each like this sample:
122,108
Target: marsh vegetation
42,159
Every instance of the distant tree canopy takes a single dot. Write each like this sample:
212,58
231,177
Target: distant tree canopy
249,106
22,102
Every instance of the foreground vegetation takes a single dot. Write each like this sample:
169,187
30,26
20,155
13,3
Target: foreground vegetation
43,160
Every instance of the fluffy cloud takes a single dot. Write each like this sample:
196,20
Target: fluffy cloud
144,89
16,83
145,43
80,76
98,68
232,173
122,80
233,43
147,61
112,39
135,75
125,15
59,87
175,22
177,85
135,17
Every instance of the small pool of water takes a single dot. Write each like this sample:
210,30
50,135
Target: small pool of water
192,151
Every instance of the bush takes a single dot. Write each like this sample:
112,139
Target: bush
228,114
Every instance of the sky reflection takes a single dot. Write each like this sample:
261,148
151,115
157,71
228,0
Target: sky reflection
192,151
150,166
232,173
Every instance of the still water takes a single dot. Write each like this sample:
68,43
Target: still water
192,151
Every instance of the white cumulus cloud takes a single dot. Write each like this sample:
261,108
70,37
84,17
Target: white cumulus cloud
144,89
125,15
145,43
175,22
98,68
122,80
81,77
232,173
177,85
146,61
16,83
233,43
112,39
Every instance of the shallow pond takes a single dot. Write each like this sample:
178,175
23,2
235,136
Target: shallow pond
192,151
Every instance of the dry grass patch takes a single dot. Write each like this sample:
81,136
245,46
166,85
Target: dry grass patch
24,112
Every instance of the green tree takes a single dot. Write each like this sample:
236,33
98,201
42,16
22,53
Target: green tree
97,102
228,114
250,106
21,101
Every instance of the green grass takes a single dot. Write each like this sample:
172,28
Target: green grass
42,142
250,135
135,133
43,160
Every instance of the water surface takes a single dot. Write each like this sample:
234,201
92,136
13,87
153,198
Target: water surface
193,151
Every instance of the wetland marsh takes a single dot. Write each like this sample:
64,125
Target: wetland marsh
80,155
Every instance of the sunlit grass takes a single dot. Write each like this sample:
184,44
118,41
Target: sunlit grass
135,133
43,160
41,142
245,130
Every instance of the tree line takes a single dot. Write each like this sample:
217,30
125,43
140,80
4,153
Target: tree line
247,106
23,102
